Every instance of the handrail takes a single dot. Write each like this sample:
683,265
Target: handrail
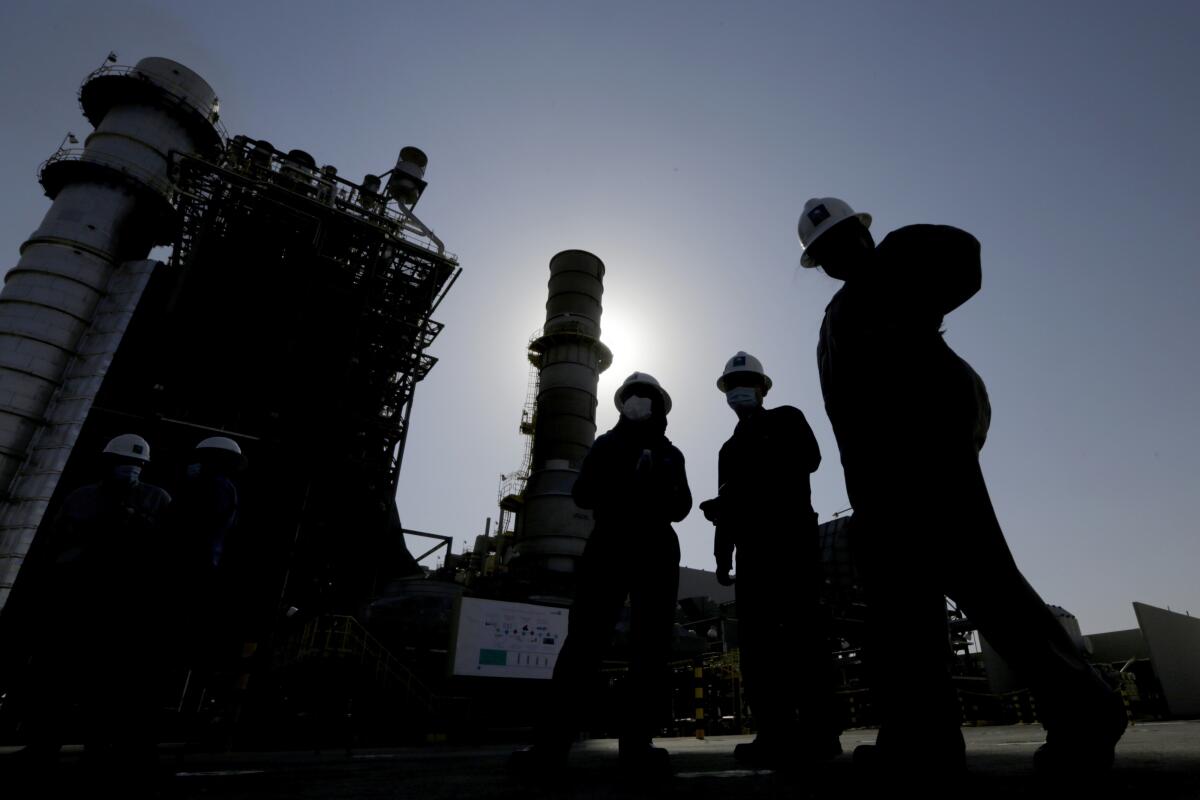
101,159
344,636
171,88
335,191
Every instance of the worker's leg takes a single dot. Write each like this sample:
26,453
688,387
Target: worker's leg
909,649
600,594
1073,699
653,599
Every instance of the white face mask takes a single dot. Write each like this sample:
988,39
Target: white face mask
742,398
636,409
127,473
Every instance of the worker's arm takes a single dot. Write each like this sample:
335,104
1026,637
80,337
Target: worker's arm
724,538
672,485
930,269
588,488
808,452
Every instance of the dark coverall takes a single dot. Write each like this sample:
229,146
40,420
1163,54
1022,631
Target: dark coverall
204,513
764,510
910,417
98,639
632,552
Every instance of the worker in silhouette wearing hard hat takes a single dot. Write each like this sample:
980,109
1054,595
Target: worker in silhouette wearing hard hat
205,513
764,512
634,482
99,605
207,505
910,417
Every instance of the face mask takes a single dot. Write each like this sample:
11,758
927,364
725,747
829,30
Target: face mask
127,473
742,398
637,409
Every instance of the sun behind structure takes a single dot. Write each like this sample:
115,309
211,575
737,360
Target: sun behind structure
632,351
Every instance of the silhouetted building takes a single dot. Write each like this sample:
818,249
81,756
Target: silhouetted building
293,317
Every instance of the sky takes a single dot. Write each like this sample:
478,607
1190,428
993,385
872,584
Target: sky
678,142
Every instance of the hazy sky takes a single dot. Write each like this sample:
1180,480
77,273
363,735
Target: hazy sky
678,142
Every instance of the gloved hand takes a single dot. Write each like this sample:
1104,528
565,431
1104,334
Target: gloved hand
711,508
645,465
724,578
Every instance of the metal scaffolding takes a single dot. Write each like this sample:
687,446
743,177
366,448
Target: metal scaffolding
388,274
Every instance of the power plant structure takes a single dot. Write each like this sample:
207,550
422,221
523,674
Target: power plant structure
294,317
568,357
67,303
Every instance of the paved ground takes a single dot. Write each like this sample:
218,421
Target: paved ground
1154,760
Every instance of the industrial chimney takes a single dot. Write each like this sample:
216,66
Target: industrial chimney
112,203
551,529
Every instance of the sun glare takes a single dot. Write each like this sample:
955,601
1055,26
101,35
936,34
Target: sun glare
634,350
624,338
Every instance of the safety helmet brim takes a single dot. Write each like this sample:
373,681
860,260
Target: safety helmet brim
759,377
641,379
128,446
805,259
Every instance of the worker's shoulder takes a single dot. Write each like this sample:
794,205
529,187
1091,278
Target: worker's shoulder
85,490
923,238
604,438
150,494
603,445
670,447
84,495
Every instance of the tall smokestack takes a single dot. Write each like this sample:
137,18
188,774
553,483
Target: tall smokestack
552,530
112,203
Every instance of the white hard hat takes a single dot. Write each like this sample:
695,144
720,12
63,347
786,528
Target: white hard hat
223,444
129,445
743,362
819,215
641,379
220,443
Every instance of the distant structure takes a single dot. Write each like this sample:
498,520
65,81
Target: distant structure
294,316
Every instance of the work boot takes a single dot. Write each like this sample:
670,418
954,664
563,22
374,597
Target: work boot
538,760
757,755
641,756
1073,759
887,762
31,760
768,754
1086,744
912,772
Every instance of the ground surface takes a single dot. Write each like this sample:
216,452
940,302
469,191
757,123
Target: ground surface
1154,760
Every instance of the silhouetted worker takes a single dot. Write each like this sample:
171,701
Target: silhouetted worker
633,480
764,511
910,417
100,614
205,513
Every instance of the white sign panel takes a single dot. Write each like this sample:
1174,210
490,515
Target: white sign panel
496,639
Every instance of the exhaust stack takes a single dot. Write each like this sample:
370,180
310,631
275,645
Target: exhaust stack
569,356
